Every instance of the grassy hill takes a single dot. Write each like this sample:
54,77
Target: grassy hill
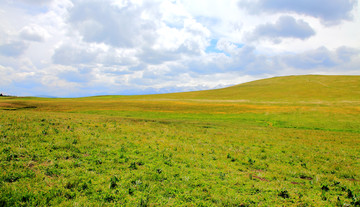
287,88
284,141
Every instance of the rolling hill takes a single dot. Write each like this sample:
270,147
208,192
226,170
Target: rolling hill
286,88
283,141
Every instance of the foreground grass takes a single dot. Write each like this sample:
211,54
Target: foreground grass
150,151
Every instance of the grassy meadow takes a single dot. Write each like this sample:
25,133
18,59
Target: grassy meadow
284,141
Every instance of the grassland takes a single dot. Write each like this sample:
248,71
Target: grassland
285,141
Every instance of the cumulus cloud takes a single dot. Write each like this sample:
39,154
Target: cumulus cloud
226,46
13,49
175,43
247,61
232,58
37,2
285,27
146,28
345,54
5,73
103,22
33,33
78,53
329,12
77,75
321,58
68,54
118,57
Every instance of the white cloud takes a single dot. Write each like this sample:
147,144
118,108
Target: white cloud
68,54
5,73
13,49
78,47
322,58
102,22
226,46
37,2
33,33
285,27
329,12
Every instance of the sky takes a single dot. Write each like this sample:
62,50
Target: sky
75,48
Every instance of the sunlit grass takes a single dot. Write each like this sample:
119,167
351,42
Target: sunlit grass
175,150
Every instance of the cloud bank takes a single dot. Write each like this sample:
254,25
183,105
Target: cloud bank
285,27
329,12
71,48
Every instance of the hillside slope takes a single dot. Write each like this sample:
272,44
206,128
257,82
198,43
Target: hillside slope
286,88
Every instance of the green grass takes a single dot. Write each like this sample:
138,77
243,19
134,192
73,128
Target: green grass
284,89
263,143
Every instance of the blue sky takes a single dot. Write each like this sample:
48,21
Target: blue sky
72,48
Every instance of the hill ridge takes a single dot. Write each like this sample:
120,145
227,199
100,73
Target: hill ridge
281,88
